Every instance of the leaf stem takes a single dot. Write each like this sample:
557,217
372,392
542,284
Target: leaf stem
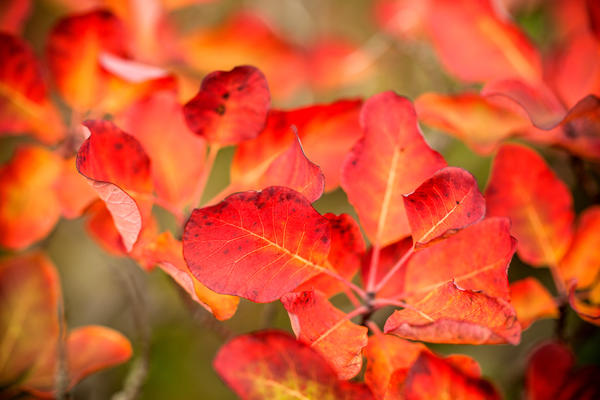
394,269
351,296
373,267
359,291
208,166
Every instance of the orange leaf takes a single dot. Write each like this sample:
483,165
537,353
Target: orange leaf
327,133
29,207
479,122
230,107
326,329
449,200
30,294
24,99
540,206
345,254
450,314
73,51
120,172
167,252
432,377
258,245
532,301
177,154
273,365
73,190
293,169
476,258
386,354
588,311
391,159
89,349
496,48
582,260
246,38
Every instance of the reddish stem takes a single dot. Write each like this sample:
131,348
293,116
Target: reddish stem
399,264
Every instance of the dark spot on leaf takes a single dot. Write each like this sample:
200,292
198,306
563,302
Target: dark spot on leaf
118,146
457,202
241,87
226,251
225,96
220,109
324,239
208,223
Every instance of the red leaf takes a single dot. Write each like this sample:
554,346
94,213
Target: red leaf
30,295
582,260
230,107
391,159
532,301
24,99
258,245
539,204
449,200
476,258
29,207
496,47
73,50
434,378
120,170
386,354
478,121
327,133
177,154
548,368
89,349
274,365
326,329
168,254
293,169
345,255
13,15
450,314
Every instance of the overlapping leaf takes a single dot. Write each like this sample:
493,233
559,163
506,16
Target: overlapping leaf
24,99
327,132
167,252
532,301
317,322
120,172
230,107
274,365
258,245
449,200
393,159
539,204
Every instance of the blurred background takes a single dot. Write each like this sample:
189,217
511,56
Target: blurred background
352,53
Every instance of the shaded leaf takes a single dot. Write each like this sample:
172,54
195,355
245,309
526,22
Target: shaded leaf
386,354
547,370
274,365
327,133
29,207
24,99
257,245
345,255
449,200
532,301
293,169
167,252
432,377
539,204
317,322
230,107
449,314
391,159
29,295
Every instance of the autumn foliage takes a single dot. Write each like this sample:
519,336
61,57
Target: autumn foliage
121,121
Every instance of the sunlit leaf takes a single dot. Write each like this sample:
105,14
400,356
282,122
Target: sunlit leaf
392,159
257,245
532,301
539,204
317,322
449,200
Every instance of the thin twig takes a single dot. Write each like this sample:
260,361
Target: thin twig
61,380
399,264
208,167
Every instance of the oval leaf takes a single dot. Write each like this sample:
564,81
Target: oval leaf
257,245
231,106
